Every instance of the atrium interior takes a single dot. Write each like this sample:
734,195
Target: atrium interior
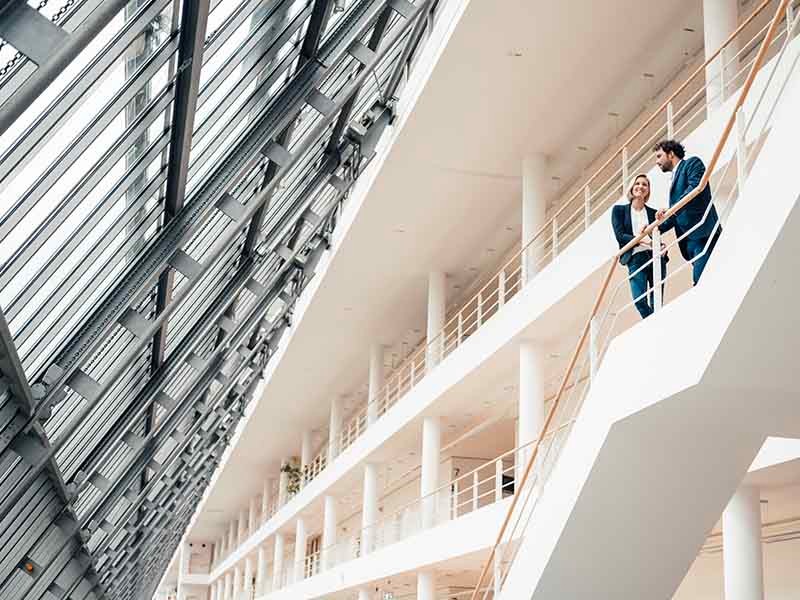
362,300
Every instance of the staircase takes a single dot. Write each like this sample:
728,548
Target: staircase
678,408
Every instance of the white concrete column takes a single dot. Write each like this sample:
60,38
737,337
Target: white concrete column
429,476
228,586
305,456
369,513
720,19
266,498
212,591
741,546
534,205
221,588
184,555
334,429
261,570
242,536
299,549
363,594
531,400
252,517
232,537
328,531
437,305
376,380
426,585
277,562
283,484
237,582
247,585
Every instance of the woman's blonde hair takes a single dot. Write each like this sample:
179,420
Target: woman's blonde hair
630,189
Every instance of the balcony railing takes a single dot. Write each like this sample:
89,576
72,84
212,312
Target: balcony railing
612,311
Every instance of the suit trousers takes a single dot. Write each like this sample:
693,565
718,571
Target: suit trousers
642,282
699,254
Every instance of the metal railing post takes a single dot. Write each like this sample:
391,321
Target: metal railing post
670,121
593,335
657,274
555,238
741,149
498,480
455,500
480,308
624,169
501,288
587,207
460,328
475,481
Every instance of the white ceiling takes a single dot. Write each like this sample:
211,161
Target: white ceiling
447,196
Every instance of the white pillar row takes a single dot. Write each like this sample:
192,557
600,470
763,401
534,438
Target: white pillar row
369,513
305,455
283,484
720,19
742,557
221,588
237,582
329,519
252,517
429,476
277,561
247,585
534,206
261,570
299,549
530,409
212,591
426,585
334,429
376,380
363,594
437,305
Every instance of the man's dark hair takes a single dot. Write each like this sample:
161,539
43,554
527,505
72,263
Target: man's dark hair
673,146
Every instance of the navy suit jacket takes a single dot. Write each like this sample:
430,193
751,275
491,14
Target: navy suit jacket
687,176
623,227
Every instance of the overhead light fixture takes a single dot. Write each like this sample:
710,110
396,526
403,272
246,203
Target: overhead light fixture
613,114
583,148
648,75
515,53
688,29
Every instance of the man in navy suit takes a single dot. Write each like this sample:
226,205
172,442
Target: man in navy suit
696,224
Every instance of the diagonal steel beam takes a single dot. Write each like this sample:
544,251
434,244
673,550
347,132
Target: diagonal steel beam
16,396
47,72
310,47
190,62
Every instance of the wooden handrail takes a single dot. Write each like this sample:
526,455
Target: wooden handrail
646,232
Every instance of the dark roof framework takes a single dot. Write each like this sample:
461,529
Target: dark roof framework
171,173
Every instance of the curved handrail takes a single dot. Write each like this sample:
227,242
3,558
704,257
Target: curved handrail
755,68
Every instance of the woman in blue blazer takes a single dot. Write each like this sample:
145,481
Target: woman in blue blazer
628,221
